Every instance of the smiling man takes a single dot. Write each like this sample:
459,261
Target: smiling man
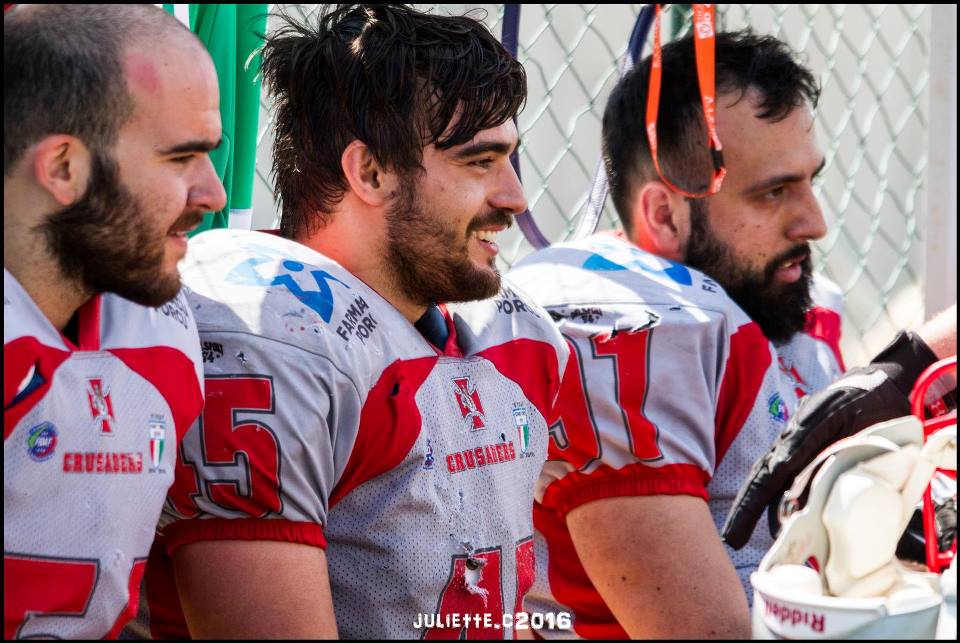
675,388
105,164
375,417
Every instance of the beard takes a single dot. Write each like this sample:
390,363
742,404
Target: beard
430,259
107,242
779,309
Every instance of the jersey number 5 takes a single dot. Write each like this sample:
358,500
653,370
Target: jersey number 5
247,452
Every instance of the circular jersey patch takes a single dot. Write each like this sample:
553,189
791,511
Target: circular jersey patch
42,441
778,408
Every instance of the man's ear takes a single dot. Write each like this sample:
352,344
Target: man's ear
660,220
61,166
368,180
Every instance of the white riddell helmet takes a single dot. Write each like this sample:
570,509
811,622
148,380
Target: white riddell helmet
833,571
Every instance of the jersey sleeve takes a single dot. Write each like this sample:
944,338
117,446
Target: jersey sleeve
651,405
610,435
266,454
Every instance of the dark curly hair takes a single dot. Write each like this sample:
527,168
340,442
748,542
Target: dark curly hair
388,75
744,61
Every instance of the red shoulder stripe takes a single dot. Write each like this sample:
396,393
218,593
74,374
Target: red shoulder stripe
391,405
825,324
746,367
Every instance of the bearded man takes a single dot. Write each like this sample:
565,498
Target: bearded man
109,114
376,400
679,389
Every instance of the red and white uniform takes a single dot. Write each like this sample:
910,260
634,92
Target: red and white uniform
331,421
811,359
674,390
89,443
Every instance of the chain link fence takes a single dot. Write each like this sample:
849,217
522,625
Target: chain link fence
873,65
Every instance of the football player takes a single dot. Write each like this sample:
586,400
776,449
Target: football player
676,388
109,112
376,397
863,397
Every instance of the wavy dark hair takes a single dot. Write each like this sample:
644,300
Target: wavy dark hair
388,75
744,61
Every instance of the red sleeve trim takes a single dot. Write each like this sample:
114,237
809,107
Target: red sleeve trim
187,532
578,488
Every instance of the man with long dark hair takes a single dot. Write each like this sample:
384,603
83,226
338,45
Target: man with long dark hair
681,390
109,112
369,447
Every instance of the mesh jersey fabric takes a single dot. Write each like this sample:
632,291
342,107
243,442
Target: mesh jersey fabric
90,434
679,394
413,467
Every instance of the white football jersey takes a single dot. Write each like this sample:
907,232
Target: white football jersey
331,421
89,443
674,390
811,359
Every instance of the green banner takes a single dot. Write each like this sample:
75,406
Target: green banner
229,32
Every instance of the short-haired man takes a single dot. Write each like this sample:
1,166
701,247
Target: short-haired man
108,114
366,460
679,390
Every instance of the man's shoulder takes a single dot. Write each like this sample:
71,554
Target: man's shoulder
508,317
255,293
826,294
122,324
274,287
598,275
157,334
22,318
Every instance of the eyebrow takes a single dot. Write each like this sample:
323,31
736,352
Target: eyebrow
191,146
484,147
774,181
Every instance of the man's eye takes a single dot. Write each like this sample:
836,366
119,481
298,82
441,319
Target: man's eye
183,160
484,162
775,193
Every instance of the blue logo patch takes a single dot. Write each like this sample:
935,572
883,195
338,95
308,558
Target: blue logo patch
320,300
778,408
42,442
621,258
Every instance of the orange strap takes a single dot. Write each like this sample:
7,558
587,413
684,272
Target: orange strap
704,40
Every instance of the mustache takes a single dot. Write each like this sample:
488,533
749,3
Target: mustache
186,221
492,218
800,251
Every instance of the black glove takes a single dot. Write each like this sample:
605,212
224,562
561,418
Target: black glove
860,398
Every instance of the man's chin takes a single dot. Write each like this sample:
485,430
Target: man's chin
780,312
147,290
481,283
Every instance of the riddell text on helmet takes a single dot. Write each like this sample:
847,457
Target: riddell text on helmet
785,613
